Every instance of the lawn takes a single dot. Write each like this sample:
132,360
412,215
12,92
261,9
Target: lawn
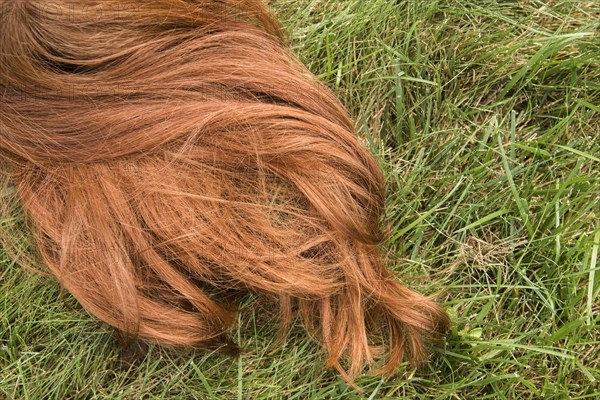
485,116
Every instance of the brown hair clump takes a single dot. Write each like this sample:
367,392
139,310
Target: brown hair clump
166,152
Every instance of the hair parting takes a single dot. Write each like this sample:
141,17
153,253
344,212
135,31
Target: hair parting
166,152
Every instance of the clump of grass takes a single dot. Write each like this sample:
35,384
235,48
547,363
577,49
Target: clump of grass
485,117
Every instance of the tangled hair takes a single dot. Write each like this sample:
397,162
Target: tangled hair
168,153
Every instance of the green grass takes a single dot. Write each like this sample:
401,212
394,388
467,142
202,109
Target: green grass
485,116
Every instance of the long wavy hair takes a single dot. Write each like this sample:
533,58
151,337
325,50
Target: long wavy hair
168,153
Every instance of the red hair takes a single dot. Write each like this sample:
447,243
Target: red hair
174,151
